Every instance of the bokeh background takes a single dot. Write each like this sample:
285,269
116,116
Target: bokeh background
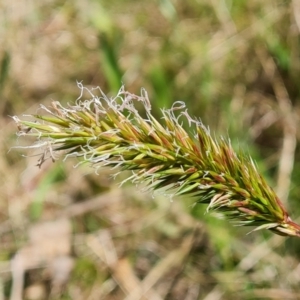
68,233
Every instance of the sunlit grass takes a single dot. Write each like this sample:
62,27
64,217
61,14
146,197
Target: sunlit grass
200,52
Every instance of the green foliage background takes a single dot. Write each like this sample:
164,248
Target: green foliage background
234,63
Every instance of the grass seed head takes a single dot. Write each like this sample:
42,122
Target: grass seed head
111,132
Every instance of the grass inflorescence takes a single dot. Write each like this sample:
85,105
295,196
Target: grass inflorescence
161,154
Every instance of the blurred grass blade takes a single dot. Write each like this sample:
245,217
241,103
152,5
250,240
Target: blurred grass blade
109,62
54,175
4,69
161,85
167,9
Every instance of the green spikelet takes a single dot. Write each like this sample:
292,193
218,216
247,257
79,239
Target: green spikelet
111,132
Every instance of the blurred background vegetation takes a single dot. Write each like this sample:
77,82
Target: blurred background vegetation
68,233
